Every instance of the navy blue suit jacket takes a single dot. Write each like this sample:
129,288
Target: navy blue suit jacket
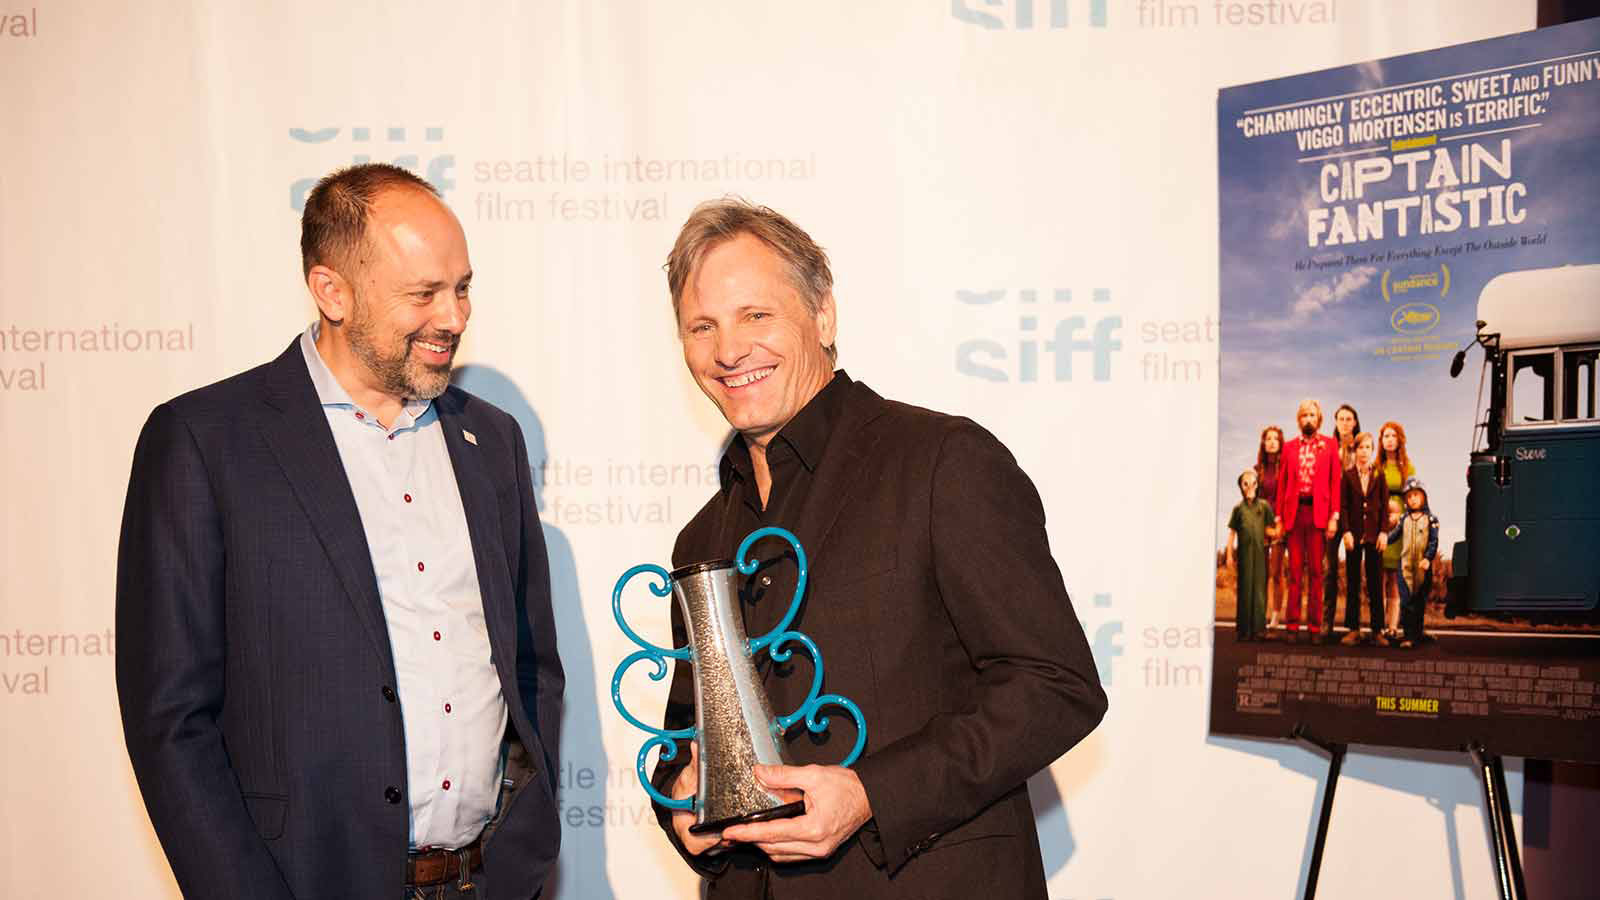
256,678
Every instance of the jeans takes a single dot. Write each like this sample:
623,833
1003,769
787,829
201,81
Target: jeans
1412,604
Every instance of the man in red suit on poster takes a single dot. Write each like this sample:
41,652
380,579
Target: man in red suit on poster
1308,505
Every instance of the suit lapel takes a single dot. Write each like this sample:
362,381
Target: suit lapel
478,501
850,443
303,444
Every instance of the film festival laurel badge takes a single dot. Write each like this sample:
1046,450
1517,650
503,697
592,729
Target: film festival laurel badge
734,722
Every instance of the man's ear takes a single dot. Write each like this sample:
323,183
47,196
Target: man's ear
827,319
334,296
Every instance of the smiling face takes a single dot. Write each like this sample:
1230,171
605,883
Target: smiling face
750,341
411,300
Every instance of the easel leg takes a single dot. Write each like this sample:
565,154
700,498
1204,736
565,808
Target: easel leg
1502,833
1335,763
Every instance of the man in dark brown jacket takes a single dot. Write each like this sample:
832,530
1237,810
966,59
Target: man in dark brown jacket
932,595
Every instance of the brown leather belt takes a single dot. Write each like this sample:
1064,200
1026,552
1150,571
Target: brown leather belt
436,866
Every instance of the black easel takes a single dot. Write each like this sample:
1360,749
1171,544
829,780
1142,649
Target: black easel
1335,763
1496,806
1497,812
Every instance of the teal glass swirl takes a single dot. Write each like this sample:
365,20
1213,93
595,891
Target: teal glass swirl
667,740
780,644
774,641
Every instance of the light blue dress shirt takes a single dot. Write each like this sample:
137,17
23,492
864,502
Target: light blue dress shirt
450,700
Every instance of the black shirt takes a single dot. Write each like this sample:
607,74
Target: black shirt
793,455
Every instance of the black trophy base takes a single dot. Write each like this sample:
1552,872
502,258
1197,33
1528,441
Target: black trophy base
788,810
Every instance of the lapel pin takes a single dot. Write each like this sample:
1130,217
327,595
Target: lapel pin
471,438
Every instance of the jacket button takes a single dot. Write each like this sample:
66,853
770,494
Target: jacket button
388,693
391,794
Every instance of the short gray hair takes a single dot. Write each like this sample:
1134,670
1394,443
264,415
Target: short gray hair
715,222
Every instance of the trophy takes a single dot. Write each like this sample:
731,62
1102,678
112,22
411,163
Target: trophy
734,722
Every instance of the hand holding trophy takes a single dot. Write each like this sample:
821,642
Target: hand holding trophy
735,726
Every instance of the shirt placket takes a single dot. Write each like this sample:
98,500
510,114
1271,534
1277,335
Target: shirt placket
775,581
450,758
412,501
453,758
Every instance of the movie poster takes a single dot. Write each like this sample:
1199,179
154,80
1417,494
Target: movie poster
1408,543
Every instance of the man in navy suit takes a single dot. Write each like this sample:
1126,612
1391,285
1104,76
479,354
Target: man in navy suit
342,679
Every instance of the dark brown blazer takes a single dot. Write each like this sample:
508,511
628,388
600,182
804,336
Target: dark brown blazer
1364,514
938,608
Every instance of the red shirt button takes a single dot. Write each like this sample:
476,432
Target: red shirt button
447,784
391,437
436,636
408,498
447,707
360,415
420,566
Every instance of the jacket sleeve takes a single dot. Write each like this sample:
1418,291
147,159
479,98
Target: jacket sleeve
540,678
1383,506
1037,692
1283,495
1347,491
1334,479
171,615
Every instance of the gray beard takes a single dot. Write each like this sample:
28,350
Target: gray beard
393,374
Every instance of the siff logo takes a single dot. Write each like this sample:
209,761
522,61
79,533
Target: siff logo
990,359
968,11
438,170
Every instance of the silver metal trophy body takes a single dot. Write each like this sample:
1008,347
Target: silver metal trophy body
734,722
733,717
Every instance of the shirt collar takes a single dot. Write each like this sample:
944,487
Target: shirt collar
331,393
806,435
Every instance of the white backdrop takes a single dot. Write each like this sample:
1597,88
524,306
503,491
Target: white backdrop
990,177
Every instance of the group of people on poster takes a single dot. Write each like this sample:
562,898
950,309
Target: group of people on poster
1307,499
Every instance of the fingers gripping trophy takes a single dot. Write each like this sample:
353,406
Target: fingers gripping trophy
735,725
